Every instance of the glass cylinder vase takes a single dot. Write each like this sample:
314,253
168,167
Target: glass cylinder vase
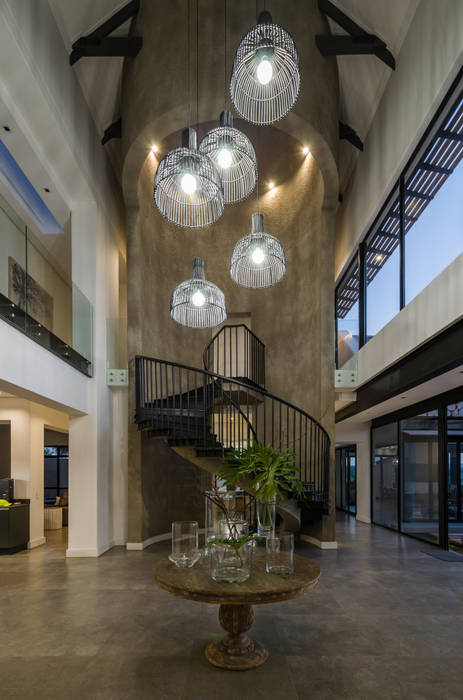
185,552
214,514
230,564
266,515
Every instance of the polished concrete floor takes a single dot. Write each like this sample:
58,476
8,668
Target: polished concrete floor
385,622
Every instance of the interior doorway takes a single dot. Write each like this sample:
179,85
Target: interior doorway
346,479
56,487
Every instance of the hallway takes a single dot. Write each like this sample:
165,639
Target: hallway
385,622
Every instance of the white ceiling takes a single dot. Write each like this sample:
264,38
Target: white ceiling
362,78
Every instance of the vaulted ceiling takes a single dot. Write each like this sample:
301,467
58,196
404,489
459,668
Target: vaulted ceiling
363,79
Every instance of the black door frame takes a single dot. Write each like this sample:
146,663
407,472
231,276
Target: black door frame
345,450
439,403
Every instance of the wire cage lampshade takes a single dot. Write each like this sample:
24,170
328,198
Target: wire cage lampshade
187,187
265,77
234,157
197,303
258,260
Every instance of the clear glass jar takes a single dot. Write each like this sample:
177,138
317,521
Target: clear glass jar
231,564
266,515
185,552
214,514
279,557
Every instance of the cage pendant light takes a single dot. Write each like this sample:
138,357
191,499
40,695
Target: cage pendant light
197,303
258,260
265,78
187,187
234,157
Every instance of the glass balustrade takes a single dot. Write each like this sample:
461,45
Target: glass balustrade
37,294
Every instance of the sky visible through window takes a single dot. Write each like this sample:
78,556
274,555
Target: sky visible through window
431,244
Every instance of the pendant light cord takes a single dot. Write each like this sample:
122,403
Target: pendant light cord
188,62
197,66
225,56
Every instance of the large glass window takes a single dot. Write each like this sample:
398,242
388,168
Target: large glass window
434,235
382,269
420,476
418,227
347,316
385,476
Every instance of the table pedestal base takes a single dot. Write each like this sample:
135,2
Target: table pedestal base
236,651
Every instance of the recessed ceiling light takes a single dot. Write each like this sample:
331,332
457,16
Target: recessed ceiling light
271,185
46,189
154,148
6,128
305,150
379,258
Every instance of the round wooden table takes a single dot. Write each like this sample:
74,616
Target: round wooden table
237,651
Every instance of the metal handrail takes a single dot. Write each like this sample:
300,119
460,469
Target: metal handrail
252,354
215,413
241,384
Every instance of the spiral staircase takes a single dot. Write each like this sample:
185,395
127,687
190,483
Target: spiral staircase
202,414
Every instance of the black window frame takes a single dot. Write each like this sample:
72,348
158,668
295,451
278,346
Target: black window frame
433,140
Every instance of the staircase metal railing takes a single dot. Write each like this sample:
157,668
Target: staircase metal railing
216,413
235,351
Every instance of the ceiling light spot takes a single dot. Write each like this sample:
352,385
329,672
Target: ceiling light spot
46,189
154,148
271,185
6,128
379,258
305,150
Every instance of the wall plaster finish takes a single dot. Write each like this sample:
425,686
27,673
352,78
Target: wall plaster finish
295,318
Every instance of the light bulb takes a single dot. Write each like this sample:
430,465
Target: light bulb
198,298
188,183
264,71
258,256
224,158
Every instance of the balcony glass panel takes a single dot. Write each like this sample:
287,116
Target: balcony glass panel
37,294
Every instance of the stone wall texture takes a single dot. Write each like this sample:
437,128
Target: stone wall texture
295,318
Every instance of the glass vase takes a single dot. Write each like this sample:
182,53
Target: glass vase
185,552
279,556
214,515
231,564
266,514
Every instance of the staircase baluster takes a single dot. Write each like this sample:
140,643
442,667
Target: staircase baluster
165,402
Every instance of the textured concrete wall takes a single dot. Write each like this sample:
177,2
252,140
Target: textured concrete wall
295,318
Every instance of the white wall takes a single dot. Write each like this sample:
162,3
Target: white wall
429,60
53,132
28,421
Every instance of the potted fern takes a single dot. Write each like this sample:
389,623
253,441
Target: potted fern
268,474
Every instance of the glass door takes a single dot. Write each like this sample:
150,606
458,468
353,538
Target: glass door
346,479
455,475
